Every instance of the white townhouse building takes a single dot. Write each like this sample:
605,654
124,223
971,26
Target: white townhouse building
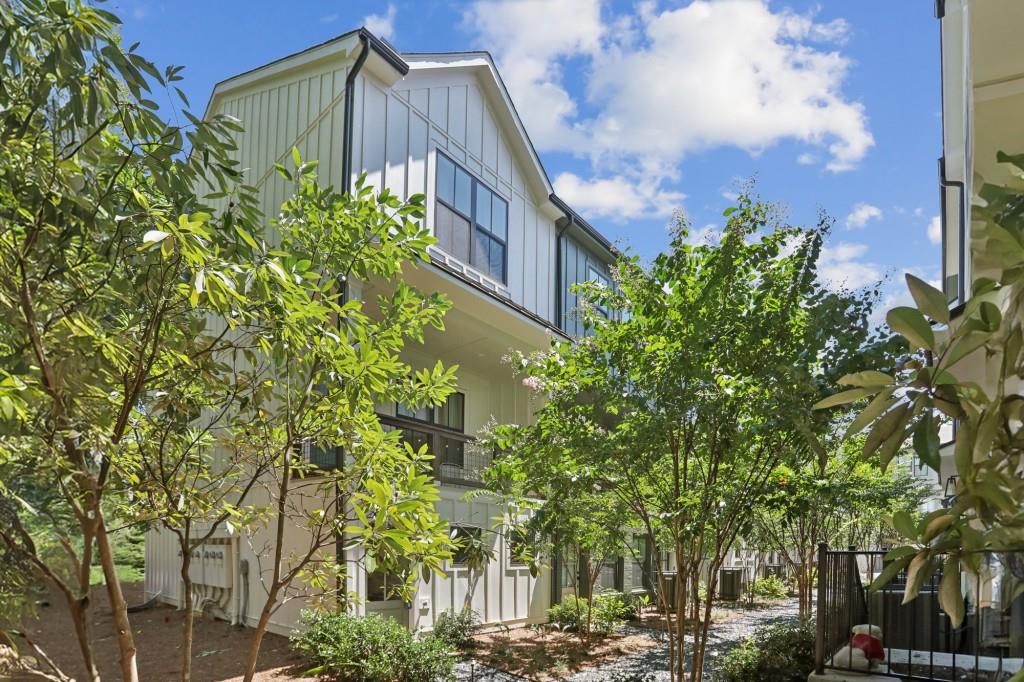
508,251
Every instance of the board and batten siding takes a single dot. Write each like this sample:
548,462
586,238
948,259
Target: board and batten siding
397,131
576,260
304,110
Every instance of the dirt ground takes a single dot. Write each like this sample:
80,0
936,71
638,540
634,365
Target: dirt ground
218,648
545,654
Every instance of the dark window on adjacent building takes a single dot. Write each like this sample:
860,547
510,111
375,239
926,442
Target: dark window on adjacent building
450,415
471,219
595,275
382,586
464,536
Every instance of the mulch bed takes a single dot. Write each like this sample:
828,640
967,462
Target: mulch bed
218,648
543,654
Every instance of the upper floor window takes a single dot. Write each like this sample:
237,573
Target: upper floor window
471,220
595,275
450,415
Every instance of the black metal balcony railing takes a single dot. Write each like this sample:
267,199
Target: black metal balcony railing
919,641
458,459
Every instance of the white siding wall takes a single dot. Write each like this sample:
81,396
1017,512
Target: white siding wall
398,131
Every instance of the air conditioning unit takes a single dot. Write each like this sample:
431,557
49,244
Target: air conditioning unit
730,583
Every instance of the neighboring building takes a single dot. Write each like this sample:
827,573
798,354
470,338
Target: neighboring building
508,251
982,63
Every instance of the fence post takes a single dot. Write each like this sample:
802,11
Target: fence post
819,613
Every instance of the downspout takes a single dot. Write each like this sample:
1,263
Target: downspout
559,293
346,178
350,87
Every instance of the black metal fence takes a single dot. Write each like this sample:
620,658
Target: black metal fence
919,642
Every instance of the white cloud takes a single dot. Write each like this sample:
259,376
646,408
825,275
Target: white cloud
709,234
935,230
862,214
668,82
617,197
841,267
329,18
529,39
730,196
807,159
381,25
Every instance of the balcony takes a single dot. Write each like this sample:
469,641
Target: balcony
458,459
919,642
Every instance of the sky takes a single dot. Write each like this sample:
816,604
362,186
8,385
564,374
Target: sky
642,107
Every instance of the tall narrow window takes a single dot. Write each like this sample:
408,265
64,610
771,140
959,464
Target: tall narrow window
595,275
450,415
471,220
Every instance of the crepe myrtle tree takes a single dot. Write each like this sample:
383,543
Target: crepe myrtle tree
683,404
330,360
940,382
109,259
846,504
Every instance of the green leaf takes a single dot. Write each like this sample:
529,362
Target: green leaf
950,598
921,568
929,300
911,324
889,572
867,379
881,403
926,440
904,524
844,397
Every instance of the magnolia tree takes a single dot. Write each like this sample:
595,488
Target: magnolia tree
95,324
329,364
161,361
683,404
942,382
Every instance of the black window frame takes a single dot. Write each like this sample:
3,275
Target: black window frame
595,274
434,410
478,531
474,225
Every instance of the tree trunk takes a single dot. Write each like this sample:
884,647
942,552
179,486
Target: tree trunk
186,630
118,607
257,636
79,610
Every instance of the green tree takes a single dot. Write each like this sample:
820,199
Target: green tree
330,360
846,504
92,320
684,406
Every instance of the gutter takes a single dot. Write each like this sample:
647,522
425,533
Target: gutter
589,229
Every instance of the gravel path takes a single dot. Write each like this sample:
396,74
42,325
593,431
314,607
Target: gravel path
652,665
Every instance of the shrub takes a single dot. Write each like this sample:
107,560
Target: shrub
455,628
350,648
609,609
769,587
781,652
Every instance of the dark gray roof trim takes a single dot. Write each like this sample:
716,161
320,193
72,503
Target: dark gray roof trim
587,228
386,52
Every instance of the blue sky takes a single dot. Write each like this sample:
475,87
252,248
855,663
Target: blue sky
639,107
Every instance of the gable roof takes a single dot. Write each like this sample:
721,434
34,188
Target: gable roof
385,58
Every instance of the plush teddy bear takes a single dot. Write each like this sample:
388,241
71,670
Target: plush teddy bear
864,651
